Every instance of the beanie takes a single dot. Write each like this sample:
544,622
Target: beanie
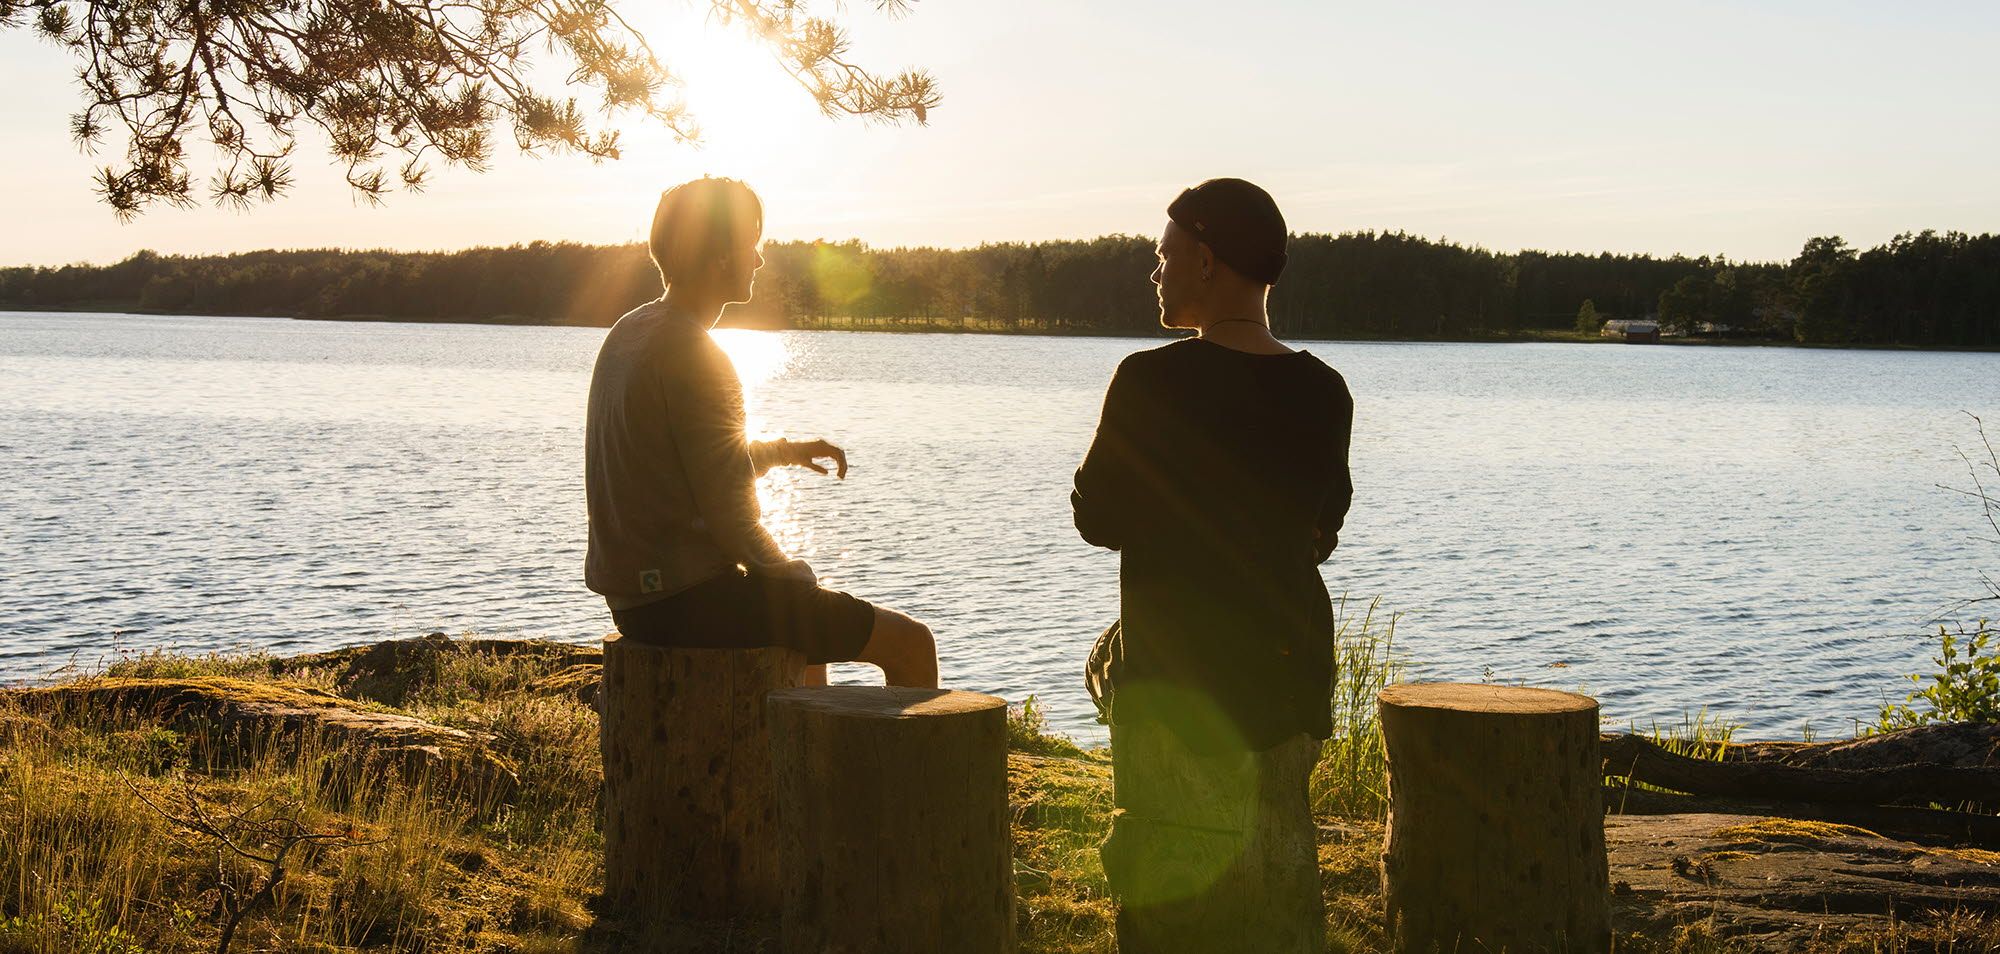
1239,222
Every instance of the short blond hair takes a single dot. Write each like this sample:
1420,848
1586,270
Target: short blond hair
699,220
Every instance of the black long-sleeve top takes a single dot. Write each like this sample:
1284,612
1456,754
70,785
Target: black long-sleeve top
1221,478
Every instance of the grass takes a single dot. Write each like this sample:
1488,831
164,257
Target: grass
89,865
1028,733
94,860
1699,735
1062,809
1062,798
1349,780
96,869
1769,830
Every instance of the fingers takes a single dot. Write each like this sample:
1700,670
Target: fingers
808,454
821,448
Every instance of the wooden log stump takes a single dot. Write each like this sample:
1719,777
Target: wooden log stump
690,829
893,811
1496,822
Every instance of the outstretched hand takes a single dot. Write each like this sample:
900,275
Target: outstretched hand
807,454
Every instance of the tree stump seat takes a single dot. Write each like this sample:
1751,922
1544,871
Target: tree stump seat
1495,839
894,822
690,828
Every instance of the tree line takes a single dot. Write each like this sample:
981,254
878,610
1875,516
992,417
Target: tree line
1923,289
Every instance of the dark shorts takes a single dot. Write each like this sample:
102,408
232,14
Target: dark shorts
741,611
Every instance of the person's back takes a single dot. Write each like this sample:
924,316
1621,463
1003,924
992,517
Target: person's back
1220,477
642,505
1219,473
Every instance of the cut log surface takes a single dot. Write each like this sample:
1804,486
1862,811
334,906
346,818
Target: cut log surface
690,828
893,806
1496,831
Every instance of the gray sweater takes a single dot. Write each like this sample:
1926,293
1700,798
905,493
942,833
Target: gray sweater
671,479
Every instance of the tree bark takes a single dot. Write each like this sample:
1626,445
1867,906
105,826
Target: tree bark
894,819
1959,744
1495,839
689,812
1638,758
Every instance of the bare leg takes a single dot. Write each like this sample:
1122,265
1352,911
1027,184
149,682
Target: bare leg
904,650
813,676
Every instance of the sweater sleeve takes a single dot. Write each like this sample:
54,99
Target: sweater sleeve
1102,499
1340,481
705,415
765,455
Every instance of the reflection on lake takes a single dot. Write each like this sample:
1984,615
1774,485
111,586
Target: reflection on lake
1753,530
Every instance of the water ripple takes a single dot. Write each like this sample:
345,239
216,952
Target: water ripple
1754,531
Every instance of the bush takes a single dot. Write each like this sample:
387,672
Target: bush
74,926
1965,688
1028,733
1966,685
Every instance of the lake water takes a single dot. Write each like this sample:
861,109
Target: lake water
1754,530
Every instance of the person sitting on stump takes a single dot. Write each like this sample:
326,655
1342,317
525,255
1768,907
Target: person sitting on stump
1219,472
676,545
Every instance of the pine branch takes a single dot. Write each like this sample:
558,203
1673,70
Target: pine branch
391,82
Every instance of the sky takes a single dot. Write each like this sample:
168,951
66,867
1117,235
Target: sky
1737,129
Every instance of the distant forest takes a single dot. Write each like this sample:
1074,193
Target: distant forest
1925,289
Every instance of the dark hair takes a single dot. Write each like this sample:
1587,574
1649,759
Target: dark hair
1239,222
699,220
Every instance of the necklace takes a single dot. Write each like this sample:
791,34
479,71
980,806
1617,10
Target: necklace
1247,321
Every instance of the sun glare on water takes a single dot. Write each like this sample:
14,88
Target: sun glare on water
759,357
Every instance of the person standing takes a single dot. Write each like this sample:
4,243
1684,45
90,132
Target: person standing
677,549
1219,473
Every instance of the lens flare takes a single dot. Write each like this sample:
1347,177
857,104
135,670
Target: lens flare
758,356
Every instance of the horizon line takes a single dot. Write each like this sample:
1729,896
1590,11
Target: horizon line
867,246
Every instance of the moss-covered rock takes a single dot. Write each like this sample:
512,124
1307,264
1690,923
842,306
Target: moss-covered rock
436,668
228,722
1781,884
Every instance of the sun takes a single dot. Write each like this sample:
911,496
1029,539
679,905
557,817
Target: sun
746,105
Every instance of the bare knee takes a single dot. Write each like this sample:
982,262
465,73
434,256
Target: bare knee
904,649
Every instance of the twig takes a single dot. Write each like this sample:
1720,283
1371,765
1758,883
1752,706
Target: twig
286,832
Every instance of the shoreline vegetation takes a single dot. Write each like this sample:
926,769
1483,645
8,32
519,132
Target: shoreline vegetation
437,794
1920,290
974,327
